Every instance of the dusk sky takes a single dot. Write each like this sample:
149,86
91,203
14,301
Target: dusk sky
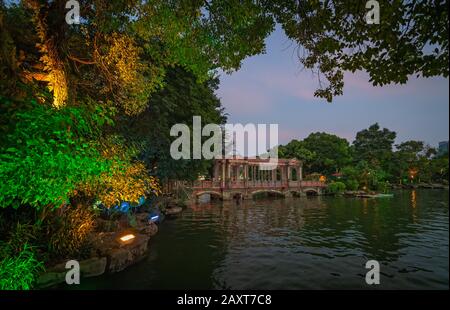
271,88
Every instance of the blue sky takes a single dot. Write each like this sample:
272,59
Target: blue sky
271,88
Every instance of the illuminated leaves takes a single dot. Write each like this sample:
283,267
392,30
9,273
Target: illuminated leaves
46,154
125,72
69,230
123,183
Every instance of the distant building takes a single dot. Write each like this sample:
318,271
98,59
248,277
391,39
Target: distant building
443,148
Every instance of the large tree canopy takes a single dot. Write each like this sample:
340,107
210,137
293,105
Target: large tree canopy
176,103
320,151
374,145
334,37
121,49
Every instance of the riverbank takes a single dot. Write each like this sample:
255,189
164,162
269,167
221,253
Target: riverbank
297,243
420,186
116,244
108,255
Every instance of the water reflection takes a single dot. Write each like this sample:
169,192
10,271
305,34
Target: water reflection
319,242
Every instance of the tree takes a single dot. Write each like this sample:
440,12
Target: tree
296,149
407,159
45,153
181,99
374,145
439,167
121,50
334,37
332,153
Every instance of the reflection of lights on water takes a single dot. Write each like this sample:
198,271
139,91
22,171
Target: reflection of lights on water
413,199
364,201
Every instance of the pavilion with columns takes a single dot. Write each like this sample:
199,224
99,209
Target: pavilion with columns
236,170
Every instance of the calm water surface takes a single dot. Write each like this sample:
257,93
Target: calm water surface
298,243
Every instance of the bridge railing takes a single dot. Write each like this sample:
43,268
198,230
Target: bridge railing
255,184
312,184
264,184
206,184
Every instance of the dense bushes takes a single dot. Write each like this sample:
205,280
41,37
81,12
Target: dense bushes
19,272
45,153
68,231
55,163
336,187
19,262
352,185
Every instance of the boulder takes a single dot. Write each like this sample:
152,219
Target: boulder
56,274
144,226
173,211
53,275
142,217
107,225
149,229
49,279
103,242
121,258
92,267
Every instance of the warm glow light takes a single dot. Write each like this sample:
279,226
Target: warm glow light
127,237
412,173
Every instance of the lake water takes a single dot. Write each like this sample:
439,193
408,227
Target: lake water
298,243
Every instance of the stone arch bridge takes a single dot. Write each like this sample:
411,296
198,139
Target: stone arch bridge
243,178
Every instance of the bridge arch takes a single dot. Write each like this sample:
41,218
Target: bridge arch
206,192
270,191
310,191
295,193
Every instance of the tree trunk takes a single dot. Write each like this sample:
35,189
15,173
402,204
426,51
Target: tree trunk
56,75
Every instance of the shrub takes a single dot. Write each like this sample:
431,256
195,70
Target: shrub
352,185
69,231
45,153
21,271
336,187
21,234
382,186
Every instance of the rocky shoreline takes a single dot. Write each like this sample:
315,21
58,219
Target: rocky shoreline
108,254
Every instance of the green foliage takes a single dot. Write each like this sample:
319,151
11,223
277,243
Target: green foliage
19,272
181,99
200,36
411,39
296,149
320,152
45,153
439,167
336,187
123,49
374,145
414,156
382,186
352,184
68,231
19,234
369,163
332,153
